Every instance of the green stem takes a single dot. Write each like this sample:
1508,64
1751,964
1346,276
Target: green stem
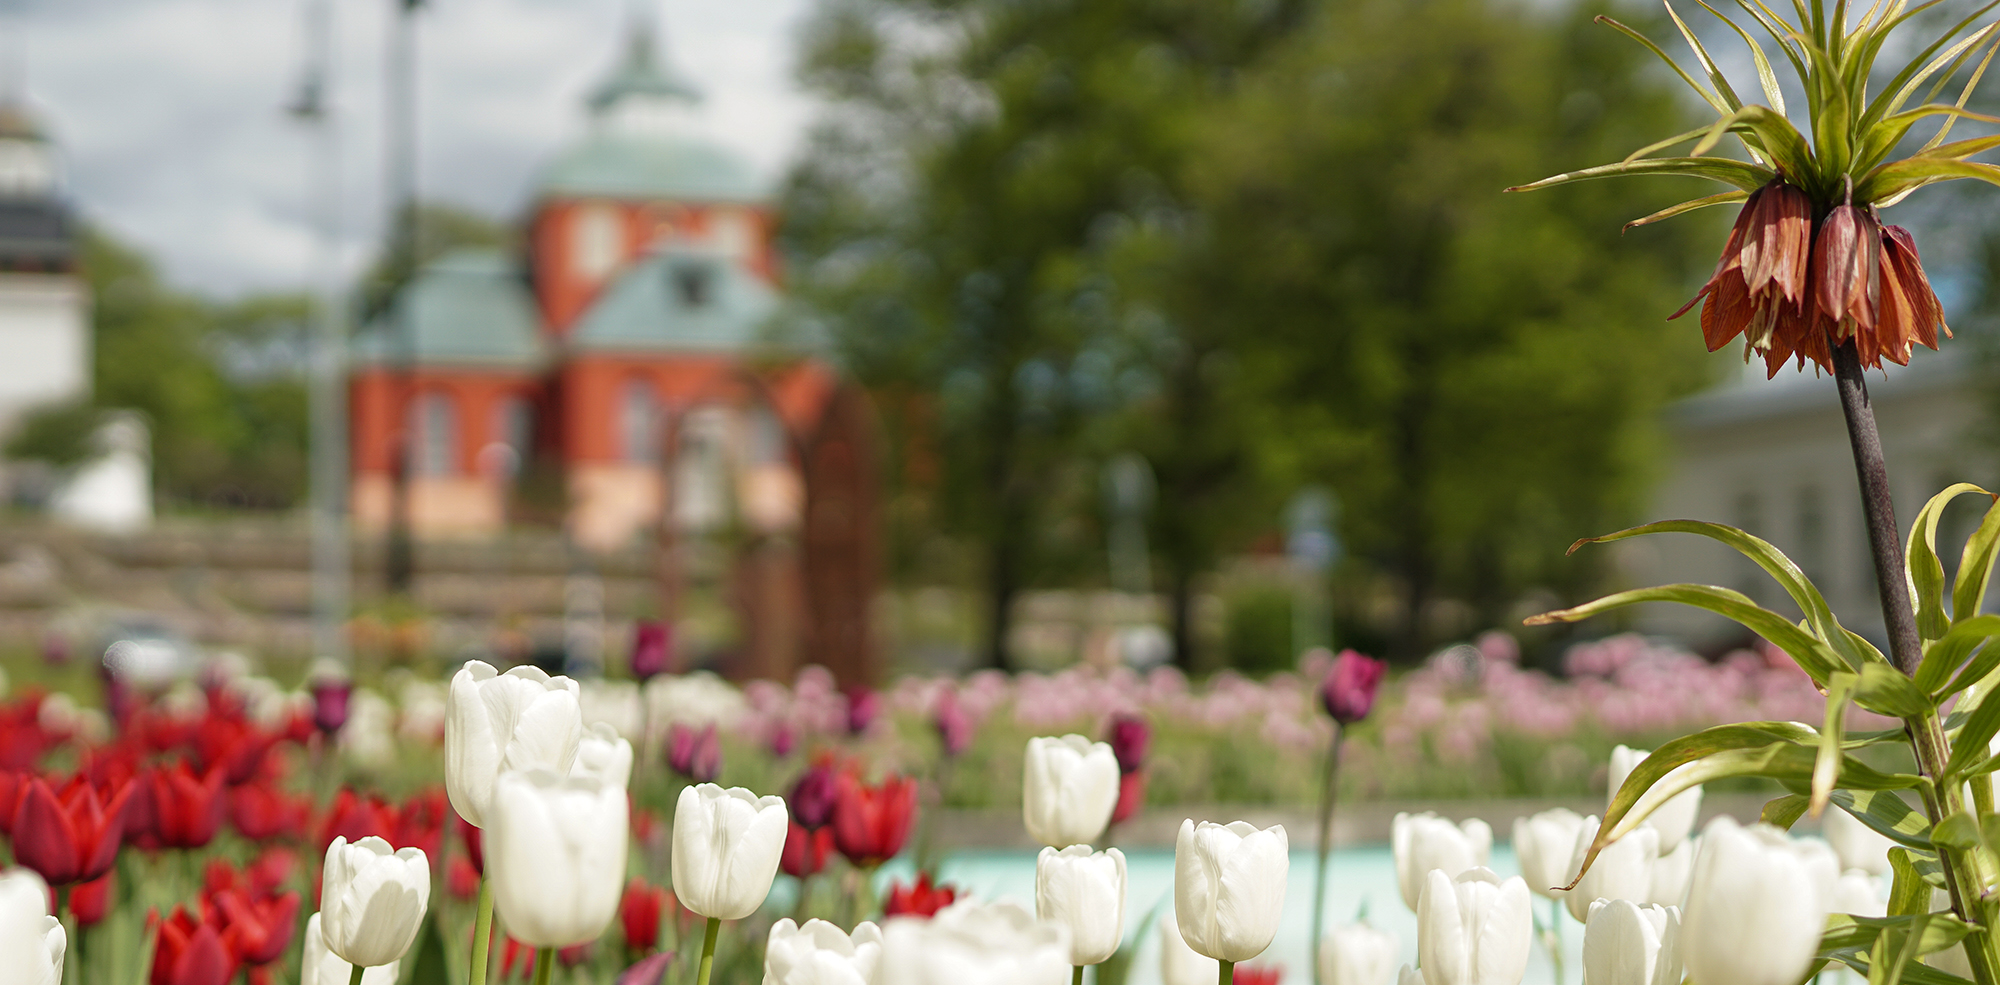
482,933
354,974
1326,798
1225,972
545,964
73,959
1076,975
708,951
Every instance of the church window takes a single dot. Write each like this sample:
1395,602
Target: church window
436,431
694,284
597,241
734,233
638,422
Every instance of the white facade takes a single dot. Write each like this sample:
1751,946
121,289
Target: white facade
44,342
1773,458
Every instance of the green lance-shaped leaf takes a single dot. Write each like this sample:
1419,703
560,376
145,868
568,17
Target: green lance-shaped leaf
1782,569
1765,77
1742,174
1969,746
1944,655
1878,140
1781,33
1786,146
1830,124
1975,566
1715,76
1926,571
1886,949
1963,95
1888,815
1896,178
1904,85
1783,812
1813,656
1912,878
1826,766
1960,830
1885,691
1720,198
1721,105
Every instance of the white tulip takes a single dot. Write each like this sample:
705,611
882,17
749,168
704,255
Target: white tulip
973,943
696,700
32,939
555,854
726,849
1357,954
1084,891
1179,965
1756,905
603,754
1671,872
1407,975
1543,844
1623,870
1858,893
1069,787
1675,819
1473,930
369,735
372,900
1422,842
1229,887
1858,845
1628,944
520,720
615,703
323,967
820,953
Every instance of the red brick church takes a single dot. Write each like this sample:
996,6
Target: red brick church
628,348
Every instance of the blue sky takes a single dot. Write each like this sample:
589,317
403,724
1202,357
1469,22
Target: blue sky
168,111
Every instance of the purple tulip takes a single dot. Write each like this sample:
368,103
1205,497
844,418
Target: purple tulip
862,707
1129,737
1349,689
954,725
649,971
696,755
330,703
652,648
813,797
784,738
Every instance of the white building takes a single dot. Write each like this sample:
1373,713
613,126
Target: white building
44,305
1773,458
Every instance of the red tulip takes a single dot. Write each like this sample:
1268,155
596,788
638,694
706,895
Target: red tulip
814,796
187,810
1348,692
1130,735
648,971
920,899
70,839
460,878
228,742
639,912
805,851
695,755
474,847
330,696
257,930
355,817
652,649
420,824
1131,797
1259,975
262,812
12,785
271,871
191,952
514,951
870,825
89,901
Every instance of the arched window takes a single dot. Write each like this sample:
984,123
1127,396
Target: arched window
597,241
638,422
434,430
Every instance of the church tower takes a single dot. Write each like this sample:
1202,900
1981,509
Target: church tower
44,306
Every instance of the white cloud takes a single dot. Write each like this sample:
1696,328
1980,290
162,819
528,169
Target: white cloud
169,111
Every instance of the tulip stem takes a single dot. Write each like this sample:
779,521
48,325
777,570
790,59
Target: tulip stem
1326,798
1225,972
482,933
545,964
1076,975
708,951
354,973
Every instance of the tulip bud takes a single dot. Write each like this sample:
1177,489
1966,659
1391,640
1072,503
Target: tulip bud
1084,891
330,697
727,844
372,900
639,913
972,943
820,953
805,851
870,824
1179,964
1357,954
32,939
1628,944
1422,842
1623,870
1756,905
863,707
1675,819
1671,872
555,853
1543,844
1229,887
1473,930
1348,692
1130,735
651,649
1858,845
520,720
813,797
1069,787
921,898
602,754
323,967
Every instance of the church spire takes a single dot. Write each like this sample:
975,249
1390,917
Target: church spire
642,75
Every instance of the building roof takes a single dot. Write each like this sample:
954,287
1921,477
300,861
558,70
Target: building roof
1753,398
467,308
642,74
652,166
679,299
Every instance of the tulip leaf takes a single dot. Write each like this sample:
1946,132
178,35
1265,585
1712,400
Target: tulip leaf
1975,566
1927,572
1826,764
1944,655
1886,948
1813,655
1773,561
1742,174
1887,814
1913,877
1884,690
1959,830
1783,812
